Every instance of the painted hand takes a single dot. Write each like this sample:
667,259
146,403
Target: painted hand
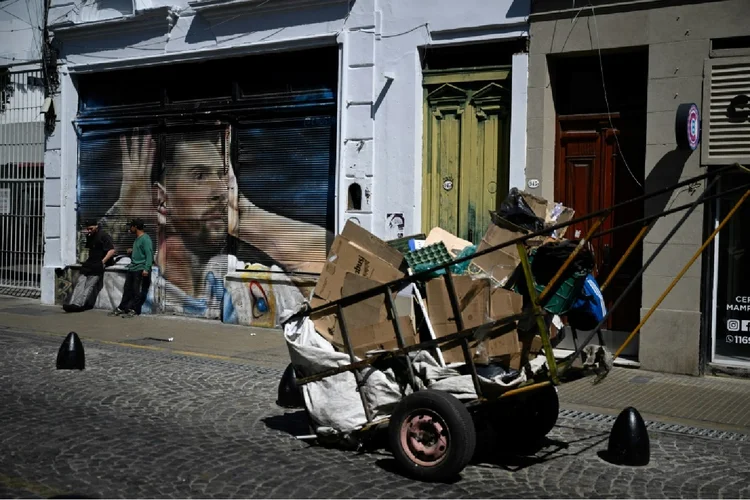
137,161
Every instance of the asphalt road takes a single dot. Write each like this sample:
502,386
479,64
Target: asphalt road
144,423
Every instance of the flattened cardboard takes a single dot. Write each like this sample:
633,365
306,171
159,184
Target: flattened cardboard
346,257
362,238
479,305
536,203
361,318
454,244
382,336
500,263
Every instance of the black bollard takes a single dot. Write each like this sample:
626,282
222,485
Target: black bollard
71,355
290,395
628,440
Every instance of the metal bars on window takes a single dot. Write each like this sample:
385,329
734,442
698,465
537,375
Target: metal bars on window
21,182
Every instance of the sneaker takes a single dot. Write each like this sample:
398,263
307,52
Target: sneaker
116,312
129,314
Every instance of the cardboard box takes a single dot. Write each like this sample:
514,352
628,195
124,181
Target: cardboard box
500,263
566,215
479,304
536,203
382,336
360,238
454,244
346,257
368,321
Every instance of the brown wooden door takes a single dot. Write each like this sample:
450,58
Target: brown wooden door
589,178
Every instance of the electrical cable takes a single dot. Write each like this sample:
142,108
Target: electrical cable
606,99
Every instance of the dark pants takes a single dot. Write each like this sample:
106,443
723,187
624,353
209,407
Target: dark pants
135,291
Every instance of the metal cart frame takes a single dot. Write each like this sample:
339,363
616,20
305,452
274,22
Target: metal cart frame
556,373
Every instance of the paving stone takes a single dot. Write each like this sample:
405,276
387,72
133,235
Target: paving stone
143,423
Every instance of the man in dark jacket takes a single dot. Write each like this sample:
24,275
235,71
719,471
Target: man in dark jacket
101,253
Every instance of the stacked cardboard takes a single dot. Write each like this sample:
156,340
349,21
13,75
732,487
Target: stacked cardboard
359,261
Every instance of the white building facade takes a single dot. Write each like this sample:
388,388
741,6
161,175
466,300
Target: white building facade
22,119
297,115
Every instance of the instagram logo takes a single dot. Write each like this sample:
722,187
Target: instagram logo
733,325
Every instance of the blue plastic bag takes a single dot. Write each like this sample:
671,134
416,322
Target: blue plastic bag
590,309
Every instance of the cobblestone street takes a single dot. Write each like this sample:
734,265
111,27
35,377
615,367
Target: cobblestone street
145,423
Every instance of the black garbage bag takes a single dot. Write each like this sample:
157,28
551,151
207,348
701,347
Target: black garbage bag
547,261
514,209
549,258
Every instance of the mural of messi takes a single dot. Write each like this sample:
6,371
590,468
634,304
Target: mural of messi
191,201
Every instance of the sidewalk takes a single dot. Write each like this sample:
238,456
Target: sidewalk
720,403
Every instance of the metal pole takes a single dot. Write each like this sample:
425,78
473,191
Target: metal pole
682,272
642,234
460,326
569,360
391,305
350,351
546,344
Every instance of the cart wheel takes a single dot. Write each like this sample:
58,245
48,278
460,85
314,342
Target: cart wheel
540,412
432,435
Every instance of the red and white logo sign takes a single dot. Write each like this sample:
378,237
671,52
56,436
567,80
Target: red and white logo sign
693,127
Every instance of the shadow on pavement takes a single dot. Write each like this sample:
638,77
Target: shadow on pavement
294,423
518,456
390,465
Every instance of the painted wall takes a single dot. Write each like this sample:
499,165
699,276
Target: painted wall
678,41
379,142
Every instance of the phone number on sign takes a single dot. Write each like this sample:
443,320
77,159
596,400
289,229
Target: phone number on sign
737,339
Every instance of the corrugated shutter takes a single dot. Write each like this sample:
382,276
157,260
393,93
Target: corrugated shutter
194,191
728,132
285,170
114,184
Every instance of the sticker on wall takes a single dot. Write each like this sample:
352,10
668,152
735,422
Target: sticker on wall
394,226
448,183
533,183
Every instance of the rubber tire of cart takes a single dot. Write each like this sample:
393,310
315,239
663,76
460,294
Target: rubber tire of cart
462,438
539,413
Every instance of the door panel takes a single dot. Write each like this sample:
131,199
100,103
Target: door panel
586,174
466,153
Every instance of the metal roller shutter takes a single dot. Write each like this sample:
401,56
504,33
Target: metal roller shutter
285,169
194,196
114,184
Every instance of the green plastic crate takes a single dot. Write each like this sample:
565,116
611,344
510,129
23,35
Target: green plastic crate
428,257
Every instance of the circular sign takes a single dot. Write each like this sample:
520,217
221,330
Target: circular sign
688,126
533,183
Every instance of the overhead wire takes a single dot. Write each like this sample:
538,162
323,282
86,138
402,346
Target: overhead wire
606,98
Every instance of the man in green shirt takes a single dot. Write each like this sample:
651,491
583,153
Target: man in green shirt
138,279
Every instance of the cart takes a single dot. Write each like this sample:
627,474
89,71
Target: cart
431,433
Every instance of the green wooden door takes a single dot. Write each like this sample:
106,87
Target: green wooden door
466,150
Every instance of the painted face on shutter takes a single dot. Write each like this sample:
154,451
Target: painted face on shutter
196,194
